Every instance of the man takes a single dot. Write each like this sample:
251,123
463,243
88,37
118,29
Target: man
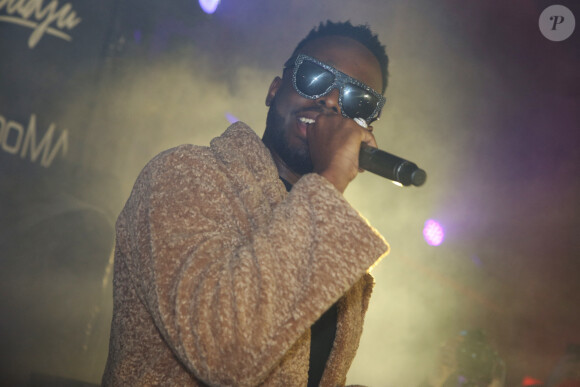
241,263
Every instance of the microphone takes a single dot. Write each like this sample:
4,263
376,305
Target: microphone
390,166
387,165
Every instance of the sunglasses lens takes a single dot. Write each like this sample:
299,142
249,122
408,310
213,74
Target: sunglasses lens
357,102
312,79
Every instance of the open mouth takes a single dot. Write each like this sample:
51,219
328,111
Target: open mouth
303,123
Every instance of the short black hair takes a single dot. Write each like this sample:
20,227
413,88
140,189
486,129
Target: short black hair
360,33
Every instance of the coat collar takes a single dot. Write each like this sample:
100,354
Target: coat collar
248,162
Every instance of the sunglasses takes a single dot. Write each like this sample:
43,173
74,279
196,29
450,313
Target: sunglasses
313,79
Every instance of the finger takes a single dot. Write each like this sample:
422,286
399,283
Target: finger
369,139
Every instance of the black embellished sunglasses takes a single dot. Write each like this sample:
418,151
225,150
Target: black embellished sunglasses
313,79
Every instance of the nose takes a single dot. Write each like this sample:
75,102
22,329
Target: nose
330,101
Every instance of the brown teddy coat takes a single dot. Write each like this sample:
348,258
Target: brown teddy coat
219,272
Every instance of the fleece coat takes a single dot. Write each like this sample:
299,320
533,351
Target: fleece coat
219,272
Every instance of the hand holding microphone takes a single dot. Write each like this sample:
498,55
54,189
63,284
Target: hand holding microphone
334,144
334,150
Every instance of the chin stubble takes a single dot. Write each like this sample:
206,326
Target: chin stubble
298,160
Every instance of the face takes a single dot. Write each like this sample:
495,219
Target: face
285,131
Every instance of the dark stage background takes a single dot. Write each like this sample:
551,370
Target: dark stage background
90,91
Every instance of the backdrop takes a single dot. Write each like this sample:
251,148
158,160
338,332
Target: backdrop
478,96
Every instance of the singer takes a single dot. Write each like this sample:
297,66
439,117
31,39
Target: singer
241,263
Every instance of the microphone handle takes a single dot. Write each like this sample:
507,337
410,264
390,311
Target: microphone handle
390,166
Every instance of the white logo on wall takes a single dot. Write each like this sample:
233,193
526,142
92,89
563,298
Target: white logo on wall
17,140
557,23
35,15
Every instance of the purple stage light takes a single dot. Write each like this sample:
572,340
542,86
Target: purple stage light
209,6
433,233
231,118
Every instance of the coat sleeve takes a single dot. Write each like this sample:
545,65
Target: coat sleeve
230,289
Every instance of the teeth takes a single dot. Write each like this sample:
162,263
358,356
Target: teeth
306,120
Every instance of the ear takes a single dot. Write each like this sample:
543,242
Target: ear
274,86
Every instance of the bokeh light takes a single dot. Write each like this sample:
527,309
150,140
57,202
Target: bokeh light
231,118
209,6
433,232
